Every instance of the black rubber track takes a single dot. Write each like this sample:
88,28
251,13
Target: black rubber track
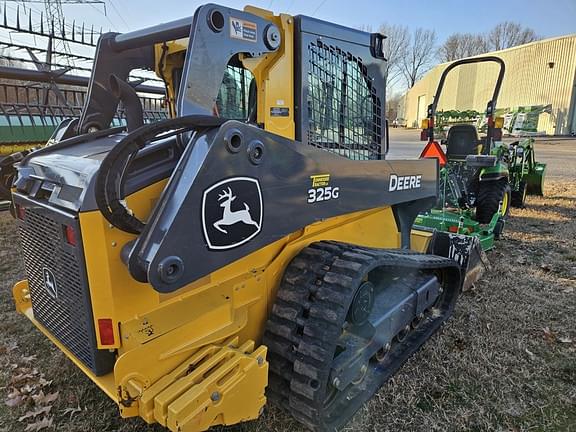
308,315
490,193
519,196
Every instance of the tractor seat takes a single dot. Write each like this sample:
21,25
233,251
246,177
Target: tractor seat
462,140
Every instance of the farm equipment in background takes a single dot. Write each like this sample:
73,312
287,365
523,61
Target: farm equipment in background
254,246
526,174
480,178
34,102
475,194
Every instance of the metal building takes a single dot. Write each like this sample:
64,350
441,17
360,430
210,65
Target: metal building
540,83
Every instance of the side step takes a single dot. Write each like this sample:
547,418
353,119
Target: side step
217,385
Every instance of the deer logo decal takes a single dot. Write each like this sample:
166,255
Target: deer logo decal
231,217
50,283
232,212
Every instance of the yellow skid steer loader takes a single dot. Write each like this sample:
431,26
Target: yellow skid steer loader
256,245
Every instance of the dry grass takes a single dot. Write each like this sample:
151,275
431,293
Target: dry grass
506,361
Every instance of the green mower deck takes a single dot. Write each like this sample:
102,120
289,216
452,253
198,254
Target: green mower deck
461,222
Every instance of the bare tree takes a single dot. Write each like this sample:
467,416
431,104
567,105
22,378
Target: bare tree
509,34
419,55
395,47
460,45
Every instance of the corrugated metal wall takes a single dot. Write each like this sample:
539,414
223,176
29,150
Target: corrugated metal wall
529,80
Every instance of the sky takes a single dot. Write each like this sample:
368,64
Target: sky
549,18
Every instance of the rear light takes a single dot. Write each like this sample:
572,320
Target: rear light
70,235
499,122
106,331
20,212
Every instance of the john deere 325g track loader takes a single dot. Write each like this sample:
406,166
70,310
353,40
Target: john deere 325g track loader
254,246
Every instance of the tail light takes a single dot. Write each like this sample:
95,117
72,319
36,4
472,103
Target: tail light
70,235
106,331
20,212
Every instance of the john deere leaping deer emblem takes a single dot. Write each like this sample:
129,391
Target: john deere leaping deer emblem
231,217
232,212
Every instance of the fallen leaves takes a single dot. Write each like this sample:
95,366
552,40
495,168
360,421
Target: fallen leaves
552,337
35,413
39,425
549,335
14,398
42,399
72,411
27,388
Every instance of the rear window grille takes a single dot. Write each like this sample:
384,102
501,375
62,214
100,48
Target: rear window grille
345,114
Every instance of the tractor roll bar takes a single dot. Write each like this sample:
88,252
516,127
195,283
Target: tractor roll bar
484,59
490,108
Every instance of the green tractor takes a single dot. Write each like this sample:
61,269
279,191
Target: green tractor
482,178
526,174
475,192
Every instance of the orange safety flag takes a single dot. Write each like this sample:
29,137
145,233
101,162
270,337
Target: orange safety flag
433,150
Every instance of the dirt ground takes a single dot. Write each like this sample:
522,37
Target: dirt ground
506,361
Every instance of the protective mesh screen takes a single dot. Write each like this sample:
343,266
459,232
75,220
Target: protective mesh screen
234,94
344,112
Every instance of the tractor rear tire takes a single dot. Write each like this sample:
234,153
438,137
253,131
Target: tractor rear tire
490,194
519,197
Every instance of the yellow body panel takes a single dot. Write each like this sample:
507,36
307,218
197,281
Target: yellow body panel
8,149
170,56
274,74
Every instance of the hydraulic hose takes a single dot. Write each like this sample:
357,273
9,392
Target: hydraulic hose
109,191
132,105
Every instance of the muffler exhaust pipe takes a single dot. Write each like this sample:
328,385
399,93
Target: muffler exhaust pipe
132,106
